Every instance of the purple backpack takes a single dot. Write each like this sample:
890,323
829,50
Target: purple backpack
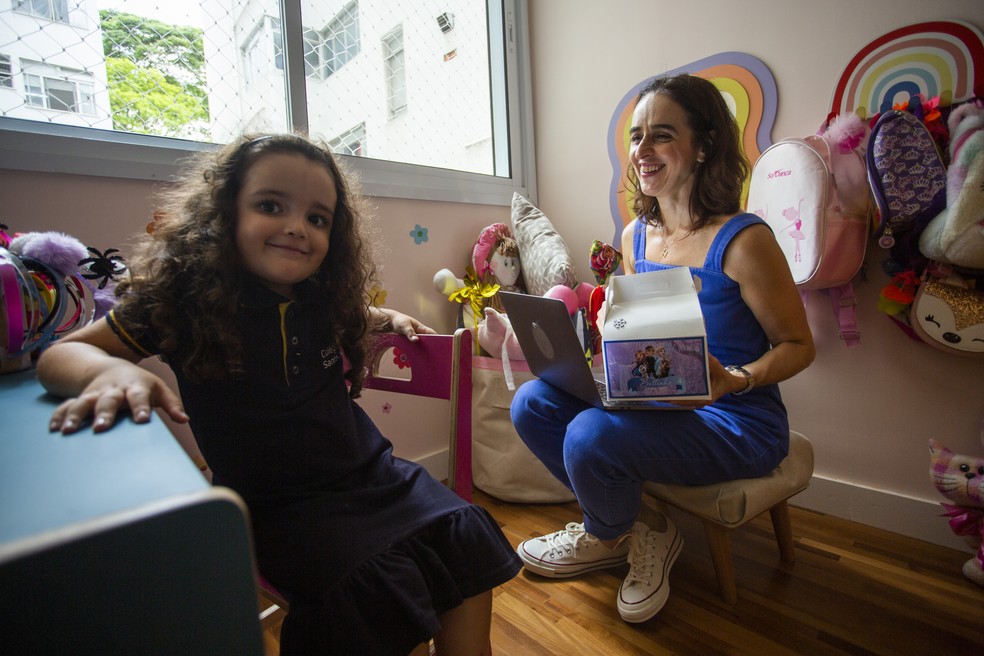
907,177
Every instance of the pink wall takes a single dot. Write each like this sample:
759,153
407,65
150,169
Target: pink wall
869,411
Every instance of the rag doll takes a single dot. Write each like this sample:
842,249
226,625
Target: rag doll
494,265
960,479
495,258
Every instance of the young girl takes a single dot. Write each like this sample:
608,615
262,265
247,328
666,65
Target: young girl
251,289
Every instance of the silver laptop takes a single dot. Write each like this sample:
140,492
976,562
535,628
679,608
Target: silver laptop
549,341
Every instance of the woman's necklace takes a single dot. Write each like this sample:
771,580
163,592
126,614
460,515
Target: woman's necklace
666,243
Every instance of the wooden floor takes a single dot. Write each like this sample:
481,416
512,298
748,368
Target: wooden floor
853,590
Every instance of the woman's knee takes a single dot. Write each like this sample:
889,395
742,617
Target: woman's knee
585,444
523,401
537,406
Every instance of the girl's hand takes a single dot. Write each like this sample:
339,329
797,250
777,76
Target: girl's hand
397,322
406,325
124,385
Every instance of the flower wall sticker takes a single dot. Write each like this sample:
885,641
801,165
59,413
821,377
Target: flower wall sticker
419,234
387,407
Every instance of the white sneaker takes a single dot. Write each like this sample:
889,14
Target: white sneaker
647,587
570,552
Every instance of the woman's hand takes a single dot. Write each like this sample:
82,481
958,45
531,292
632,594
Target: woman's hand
722,382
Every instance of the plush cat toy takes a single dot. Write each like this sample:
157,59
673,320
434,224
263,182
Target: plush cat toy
961,480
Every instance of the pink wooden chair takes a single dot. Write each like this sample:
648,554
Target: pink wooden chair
440,367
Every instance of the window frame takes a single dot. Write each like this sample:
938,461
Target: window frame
339,45
6,71
56,148
57,10
395,66
45,78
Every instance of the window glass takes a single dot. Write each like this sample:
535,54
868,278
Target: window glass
395,72
56,10
394,81
6,72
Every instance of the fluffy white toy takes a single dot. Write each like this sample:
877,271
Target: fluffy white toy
956,235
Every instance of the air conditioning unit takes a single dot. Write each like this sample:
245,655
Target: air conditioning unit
446,22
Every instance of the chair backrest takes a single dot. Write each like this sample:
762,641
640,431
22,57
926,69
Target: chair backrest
440,367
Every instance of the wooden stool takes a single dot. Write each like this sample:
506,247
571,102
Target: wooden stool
725,506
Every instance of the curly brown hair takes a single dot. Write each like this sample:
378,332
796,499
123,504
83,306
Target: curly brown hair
188,276
717,189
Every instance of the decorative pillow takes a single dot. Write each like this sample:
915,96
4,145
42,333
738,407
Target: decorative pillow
545,257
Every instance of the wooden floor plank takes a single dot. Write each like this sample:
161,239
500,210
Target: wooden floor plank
853,590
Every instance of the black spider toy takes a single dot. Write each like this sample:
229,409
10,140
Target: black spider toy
103,265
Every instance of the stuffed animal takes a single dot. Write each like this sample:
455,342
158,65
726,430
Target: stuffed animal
91,275
956,235
495,333
949,315
495,258
47,293
960,479
494,265
604,262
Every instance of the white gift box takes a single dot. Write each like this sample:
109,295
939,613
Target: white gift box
654,343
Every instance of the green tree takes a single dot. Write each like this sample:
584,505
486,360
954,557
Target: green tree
156,76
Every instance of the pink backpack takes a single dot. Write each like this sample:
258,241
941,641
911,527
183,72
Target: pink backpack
814,196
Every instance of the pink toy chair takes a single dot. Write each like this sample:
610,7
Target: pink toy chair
440,368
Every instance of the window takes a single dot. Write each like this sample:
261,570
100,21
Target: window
264,50
134,96
314,46
341,42
396,77
6,73
56,10
350,143
58,89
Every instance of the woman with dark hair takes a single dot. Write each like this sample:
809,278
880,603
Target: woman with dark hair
686,172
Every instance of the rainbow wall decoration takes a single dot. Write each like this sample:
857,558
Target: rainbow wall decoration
938,58
748,88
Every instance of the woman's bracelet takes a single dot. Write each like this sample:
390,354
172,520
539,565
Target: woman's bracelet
741,371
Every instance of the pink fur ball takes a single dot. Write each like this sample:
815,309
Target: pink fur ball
583,291
566,294
847,131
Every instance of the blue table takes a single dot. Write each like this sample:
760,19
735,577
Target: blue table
114,543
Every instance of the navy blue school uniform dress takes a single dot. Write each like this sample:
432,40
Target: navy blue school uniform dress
368,548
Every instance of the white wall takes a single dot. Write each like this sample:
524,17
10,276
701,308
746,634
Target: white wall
869,411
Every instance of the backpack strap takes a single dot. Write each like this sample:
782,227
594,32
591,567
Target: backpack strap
844,303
